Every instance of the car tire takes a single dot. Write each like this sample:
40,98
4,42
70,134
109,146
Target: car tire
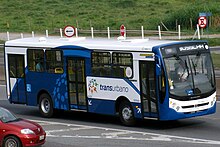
11,141
126,113
46,105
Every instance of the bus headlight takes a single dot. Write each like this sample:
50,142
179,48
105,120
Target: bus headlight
213,101
174,106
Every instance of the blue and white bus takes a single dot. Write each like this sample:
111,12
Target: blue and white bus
133,78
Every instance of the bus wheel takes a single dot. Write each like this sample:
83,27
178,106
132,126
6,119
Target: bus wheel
11,141
45,105
126,113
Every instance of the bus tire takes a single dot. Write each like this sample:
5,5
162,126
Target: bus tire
126,113
46,105
11,141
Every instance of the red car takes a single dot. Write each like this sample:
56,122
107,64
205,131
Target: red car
17,132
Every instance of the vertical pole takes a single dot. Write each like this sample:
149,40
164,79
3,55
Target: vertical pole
159,32
61,33
76,32
125,33
46,33
8,35
179,32
198,31
108,33
142,31
92,32
201,31
32,34
22,36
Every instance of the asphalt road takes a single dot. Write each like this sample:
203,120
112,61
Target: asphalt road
78,129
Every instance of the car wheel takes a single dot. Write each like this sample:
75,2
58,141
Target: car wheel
11,141
126,113
46,105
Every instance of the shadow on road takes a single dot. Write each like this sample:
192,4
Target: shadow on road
83,118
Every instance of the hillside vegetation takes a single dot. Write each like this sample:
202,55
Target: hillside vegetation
39,15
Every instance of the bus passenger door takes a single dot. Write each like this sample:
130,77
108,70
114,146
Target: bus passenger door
148,89
16,78
77,83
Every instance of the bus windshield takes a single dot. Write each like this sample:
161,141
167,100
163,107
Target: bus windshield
190,75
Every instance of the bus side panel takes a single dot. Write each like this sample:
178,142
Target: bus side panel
54,84
102,94
101,106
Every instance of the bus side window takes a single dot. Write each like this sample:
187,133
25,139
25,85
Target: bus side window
121,61
162,85
54,61
101,63
16,66
35,60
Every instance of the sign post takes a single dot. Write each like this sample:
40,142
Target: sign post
69,31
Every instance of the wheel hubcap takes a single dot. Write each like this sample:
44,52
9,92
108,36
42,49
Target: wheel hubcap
11,143
126,113
45,106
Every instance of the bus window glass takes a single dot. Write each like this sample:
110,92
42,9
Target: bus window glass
20,66
16,66
12,66
35,60
54,62
101,63
192,74
120,62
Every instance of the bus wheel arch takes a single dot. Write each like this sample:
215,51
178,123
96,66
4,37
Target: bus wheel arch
45,103
125,110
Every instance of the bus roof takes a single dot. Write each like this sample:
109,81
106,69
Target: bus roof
96,43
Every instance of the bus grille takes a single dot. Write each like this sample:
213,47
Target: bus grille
194,106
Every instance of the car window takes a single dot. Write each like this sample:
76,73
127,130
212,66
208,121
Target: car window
6,116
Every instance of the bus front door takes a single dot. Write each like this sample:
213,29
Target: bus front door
148,89
16,78
77,83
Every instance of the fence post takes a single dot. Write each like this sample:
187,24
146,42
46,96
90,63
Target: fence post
46,33
159,32
142,31
61,33
125,33
76,32
92,32
32,34
22,36
198,31
179,32
108,33
8,35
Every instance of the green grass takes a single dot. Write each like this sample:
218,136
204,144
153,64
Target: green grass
216,60
39,15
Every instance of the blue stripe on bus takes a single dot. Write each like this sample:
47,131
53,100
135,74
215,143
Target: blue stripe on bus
133,86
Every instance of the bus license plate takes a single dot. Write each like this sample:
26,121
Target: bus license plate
41,137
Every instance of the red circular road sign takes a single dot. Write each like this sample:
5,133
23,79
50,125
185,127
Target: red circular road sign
202,21
69,31
122,30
